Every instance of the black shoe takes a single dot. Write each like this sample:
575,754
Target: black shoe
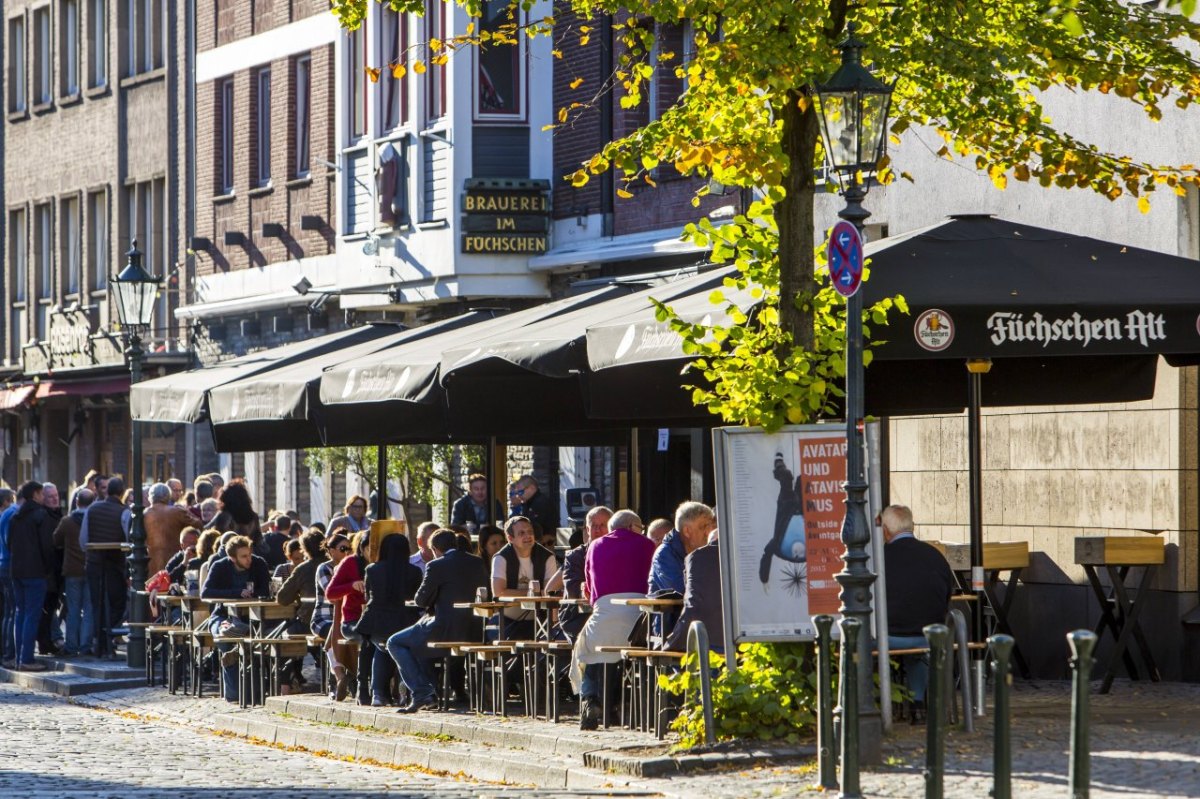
416,706
461,698
589,714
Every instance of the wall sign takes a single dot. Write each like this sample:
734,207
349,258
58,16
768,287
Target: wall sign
71,343
505,216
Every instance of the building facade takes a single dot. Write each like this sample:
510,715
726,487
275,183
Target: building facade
92,142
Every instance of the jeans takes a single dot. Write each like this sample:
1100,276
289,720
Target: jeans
383,668
592,685
8,641
106,581
79,616
916,667
408,649
29,594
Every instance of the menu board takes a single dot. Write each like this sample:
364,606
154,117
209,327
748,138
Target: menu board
780,509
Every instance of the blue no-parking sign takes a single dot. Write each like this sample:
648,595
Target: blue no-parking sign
845,257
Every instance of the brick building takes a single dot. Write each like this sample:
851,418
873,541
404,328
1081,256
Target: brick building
93,94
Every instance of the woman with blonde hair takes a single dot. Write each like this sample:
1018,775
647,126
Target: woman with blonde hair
354,515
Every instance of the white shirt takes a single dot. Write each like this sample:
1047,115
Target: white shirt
524,576
418,561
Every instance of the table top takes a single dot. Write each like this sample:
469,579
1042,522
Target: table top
109,546
170,599
480,605
248,603
580,601
532,600
649,602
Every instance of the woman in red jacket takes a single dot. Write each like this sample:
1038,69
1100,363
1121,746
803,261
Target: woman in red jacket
347,591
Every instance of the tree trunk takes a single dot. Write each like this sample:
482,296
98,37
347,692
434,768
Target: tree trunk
794,215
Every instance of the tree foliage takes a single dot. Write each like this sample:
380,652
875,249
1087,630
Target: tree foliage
422,470
974,77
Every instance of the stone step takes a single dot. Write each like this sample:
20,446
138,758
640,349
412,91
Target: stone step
434,751
515,733
97,668
63,683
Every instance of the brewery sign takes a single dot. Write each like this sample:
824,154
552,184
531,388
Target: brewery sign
504,216
70,343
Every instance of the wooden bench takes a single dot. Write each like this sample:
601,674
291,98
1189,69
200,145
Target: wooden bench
648,702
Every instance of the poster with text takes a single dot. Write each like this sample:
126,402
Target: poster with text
780,511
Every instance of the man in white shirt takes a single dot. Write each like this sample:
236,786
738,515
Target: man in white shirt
424,553
519,562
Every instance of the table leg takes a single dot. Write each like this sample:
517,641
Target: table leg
1129,625
1122,597
1120,613
1001,610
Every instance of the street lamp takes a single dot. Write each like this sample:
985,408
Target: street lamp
853,109
136,291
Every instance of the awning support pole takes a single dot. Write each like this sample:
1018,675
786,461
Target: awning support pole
976,369
381,486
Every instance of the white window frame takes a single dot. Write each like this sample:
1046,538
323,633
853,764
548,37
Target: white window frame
302,166
520,116
393,48
227,148
69,38
18,77
98,44
43,89
19,242
262,127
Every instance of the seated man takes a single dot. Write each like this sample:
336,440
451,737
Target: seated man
701,597
617,566
919,584
239,575
451,577
518,563
570,577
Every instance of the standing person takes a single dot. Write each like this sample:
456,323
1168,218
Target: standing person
617,567
919,584
424,553
8,639
238,515
31,559
202,489
353,516
280,528
78,639
472,507
7,498
176,487
104,522
390,583
163,522
49,634
451,578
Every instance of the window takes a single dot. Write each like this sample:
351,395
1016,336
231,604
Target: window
97,231
68,47
43,266
393,45
262,127
71,243
16,64
145,203
303,110
18,268
225,153
145,26
498,74
98,43
357,104
435,76
41,55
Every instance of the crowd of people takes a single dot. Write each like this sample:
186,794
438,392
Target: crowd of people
65,578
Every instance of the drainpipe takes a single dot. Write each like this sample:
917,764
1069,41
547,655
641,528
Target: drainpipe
606,124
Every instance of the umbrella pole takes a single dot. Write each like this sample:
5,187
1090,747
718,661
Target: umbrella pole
976,369
381,486
490,473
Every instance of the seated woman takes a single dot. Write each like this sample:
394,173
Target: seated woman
348,589
337,547
390,583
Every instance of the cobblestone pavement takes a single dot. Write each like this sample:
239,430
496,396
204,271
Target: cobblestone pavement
50,748
1145,743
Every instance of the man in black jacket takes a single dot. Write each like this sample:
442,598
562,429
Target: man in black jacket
701,598
31,556
452,576
919,584
104,523
239,575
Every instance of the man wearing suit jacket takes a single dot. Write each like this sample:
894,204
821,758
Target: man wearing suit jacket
452,576
701,598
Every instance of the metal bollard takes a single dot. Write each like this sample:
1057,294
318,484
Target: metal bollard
938,636
1001,648
826,756
848,689
1083,643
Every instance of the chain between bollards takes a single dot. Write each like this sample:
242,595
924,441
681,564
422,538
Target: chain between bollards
938,636
848,689
1002,648
1083,643
826,754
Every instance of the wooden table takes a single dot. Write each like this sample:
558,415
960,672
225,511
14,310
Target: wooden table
542,607
484,610
1118,555
654,608
998,556
260,612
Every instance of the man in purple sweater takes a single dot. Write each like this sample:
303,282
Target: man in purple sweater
617,566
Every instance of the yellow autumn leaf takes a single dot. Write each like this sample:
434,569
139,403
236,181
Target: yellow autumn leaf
579,178
398,71
1021,172
575,84
624,195
562,115
372,73
1000,180
1144,204
418,67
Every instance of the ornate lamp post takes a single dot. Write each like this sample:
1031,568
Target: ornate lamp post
136,292
853,107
